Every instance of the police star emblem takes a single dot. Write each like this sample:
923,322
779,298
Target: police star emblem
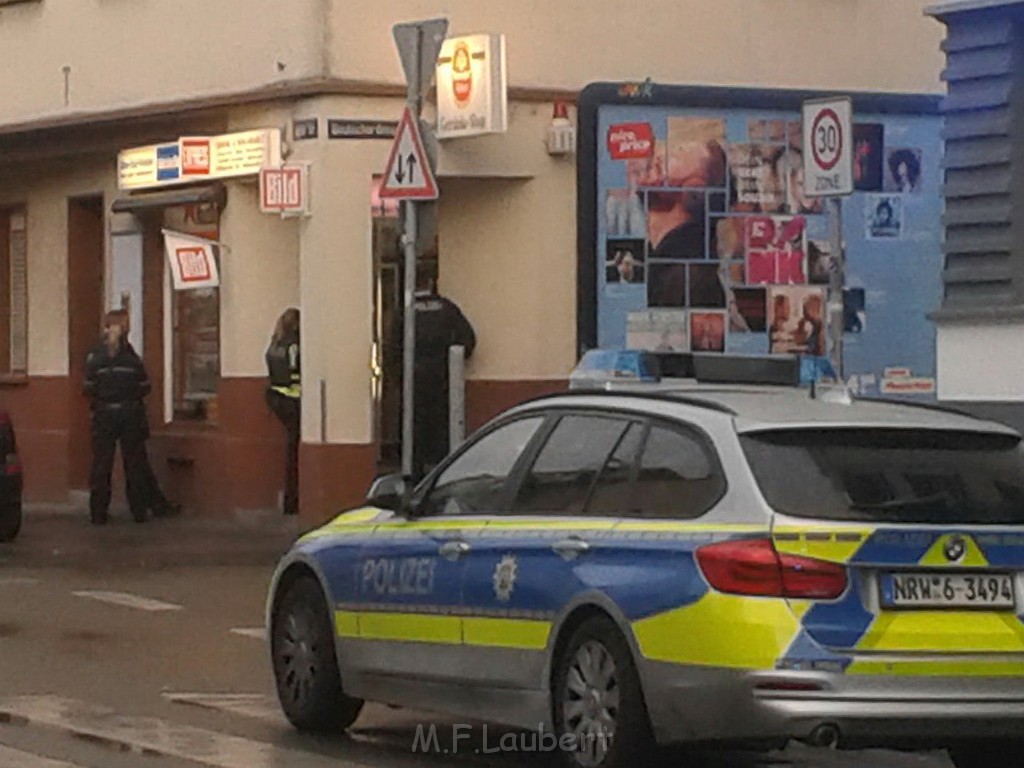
505,573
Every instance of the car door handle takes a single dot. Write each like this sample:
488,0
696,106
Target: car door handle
453,550
571,548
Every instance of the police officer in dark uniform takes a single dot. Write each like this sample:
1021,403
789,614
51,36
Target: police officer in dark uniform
440,325
284,397
116,382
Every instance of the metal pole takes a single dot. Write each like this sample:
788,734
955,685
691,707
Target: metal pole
409,238
409,340
456,396
837,281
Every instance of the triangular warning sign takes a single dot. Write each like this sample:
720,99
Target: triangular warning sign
408,175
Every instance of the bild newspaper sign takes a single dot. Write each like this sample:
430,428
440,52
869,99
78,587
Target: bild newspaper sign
285,190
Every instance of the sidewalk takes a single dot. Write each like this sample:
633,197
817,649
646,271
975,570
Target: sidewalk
59,539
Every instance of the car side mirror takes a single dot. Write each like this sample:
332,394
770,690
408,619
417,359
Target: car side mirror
388,492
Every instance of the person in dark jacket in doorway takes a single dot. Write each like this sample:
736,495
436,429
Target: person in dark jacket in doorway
116,382
284,397
440,325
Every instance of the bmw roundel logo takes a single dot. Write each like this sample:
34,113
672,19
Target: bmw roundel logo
955,549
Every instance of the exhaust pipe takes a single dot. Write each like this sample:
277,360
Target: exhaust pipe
824,736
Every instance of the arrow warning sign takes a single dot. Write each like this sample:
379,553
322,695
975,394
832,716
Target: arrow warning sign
408,175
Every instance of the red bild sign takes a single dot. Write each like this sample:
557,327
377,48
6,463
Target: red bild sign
627,141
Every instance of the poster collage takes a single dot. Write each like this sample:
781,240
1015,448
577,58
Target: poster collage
718,236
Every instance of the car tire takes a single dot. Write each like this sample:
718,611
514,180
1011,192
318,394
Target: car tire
986,754
596,686
10,522
309,685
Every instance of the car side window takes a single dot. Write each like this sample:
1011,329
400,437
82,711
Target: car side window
561,477
474,482
677,477
613,494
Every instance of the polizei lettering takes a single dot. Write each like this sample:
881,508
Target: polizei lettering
398,576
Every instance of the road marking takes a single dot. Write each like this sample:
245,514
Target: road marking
14,581
152,736
259,633
252,705
15,758
128,600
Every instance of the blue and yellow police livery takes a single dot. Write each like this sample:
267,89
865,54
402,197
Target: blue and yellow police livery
680,562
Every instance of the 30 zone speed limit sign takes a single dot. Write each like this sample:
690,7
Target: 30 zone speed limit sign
828,147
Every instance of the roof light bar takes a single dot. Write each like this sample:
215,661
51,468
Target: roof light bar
605,367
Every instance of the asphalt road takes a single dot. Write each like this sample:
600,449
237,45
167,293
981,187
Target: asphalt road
176,674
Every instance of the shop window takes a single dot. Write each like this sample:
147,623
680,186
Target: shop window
195,328
13,292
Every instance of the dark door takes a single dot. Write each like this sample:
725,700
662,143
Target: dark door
85,313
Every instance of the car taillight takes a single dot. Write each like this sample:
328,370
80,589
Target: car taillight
754,567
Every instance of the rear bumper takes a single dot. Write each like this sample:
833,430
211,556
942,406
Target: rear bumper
689,704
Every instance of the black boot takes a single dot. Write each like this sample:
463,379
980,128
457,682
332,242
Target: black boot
167,509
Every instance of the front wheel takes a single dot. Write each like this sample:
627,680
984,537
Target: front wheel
599,713
305,665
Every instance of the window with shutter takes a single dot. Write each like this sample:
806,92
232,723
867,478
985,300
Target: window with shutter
13,291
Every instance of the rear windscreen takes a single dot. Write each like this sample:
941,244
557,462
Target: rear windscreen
890,475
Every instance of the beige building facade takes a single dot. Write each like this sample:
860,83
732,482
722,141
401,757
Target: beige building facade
82,81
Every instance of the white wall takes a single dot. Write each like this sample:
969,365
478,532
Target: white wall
44,190
981,362
886,45
122,54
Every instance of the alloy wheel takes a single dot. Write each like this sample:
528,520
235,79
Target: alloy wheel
590,702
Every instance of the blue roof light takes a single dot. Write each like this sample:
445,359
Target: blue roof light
602,366
816,369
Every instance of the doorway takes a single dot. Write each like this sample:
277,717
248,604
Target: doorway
388,316
85,315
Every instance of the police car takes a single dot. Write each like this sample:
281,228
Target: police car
693,560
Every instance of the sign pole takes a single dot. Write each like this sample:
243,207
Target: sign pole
409,326
410,177
828,174
837,279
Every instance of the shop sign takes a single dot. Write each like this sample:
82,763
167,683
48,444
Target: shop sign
630,141
472,90
901,381
285,190
168,162
230,155
148,166
200,157
191,260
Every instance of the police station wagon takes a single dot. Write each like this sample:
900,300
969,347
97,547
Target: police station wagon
681,562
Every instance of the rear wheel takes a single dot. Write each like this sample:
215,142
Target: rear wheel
599,713
996,753
10,522
305,665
